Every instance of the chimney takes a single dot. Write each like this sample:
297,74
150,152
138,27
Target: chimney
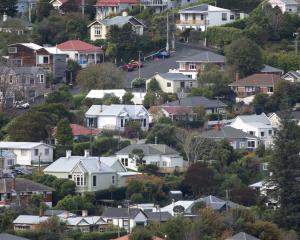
84,213
4,17
13,184
68,154
125,14
237,76
41,212
86,153
66,214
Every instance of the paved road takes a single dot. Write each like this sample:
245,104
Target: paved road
162,65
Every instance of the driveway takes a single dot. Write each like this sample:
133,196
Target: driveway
162,65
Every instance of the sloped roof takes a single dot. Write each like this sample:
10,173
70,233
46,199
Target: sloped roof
203,8
21,145
258,80
115,2
23,185
270,69
78,45
242,236
293,74
149,149
126,237
120,21
175,76
158,216
174,110
196,101
204,57
79,130
185,204
255,118
227,132
6,236
29,45
120,212
217,203
100,93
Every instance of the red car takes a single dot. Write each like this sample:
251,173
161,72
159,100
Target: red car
128,67
136,64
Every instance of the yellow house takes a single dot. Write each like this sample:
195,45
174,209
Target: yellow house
100,28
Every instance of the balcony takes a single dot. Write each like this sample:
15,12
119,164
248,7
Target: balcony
193,22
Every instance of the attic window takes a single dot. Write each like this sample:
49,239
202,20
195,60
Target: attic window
12,50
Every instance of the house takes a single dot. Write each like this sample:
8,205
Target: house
17,191
116,116
58,4
236,137
119,217
26,82
255,83
192,65
158,216
202,16
290,6
90,173
268,190
292,76
33,55
6,236
242,236
83,223
161,5
81,52
7,159
160,155
100,28
23,6
275,118
138,97
175,113
78,132
210,106
16,26
127,237
271,70
174,82
105,8
30,153
259,126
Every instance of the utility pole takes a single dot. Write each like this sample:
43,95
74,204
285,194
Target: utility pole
296,42
82,7
29,11
205,44
173,31
139,64
167,44
226,200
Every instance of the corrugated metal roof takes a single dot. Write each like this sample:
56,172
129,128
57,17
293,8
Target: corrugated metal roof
149,149
205,57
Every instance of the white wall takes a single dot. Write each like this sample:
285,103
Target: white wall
107,122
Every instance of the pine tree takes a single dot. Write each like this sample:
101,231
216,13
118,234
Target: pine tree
285,168
64,135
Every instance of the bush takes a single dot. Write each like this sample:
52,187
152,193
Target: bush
101,235
117,194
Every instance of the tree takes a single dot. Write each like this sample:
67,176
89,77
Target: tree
177,228
164,134
285,166
127,98
64,134
137,155
153,86
140,234
29,127
245,56
52,229
199,178
109,99
132,129
42,9
103,76
9,7
73,68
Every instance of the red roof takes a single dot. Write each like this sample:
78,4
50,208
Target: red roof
78,45
258,80
78,130
101,3
126,237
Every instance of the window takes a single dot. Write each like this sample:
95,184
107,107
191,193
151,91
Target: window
94,181
251,133
109,221
202,16
168,84
164,163
98,31
47,151
270,89
12,50
182,66
124,161
262,134
242,145
23,152
43,60
10,162
192,66
224,16
191,84
11,80
125,223
70,176
186,17
31,81
36,152
251,144
265,166
113,180
42,78
231,17
79,180
144,122
122,122
270,132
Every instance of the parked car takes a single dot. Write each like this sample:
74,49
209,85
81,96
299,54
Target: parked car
136,64
163,54
128,67
22,105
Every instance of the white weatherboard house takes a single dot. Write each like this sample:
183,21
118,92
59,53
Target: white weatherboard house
160,155
115,116
290,6
90,173
29,153
202,16
256,125
7,159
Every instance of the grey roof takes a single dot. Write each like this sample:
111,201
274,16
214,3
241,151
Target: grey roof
197,101
217,203
292,2
120,212
21,145
293,74
242,236
158,216
203,8
206,57
121,20
23,185
175,76
270,69
227,132
149,149
90,164
6,236
296,114
254,118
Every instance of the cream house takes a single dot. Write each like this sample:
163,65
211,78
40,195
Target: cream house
174,82
100,28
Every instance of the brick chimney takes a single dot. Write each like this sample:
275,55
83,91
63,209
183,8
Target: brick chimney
13,184
237,76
